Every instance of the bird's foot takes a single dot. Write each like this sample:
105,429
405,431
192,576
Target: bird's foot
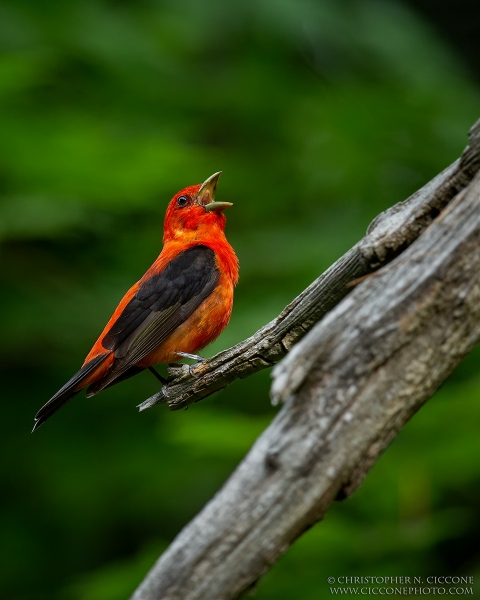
200,360
177,369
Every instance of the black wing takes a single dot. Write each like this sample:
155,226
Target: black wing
160,305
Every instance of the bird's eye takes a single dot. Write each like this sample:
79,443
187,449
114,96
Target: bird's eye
182,201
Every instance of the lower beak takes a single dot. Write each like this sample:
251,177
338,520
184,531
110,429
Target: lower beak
217,206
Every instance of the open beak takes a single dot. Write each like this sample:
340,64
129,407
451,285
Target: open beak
206,195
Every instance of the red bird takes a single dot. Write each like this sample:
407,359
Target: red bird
181,304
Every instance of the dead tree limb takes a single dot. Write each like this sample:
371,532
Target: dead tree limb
388,235
348,388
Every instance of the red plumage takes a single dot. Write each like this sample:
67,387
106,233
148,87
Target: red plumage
181,304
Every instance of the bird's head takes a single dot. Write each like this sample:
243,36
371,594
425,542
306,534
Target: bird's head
193,212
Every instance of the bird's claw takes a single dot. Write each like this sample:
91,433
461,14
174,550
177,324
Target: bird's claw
191,368
176,369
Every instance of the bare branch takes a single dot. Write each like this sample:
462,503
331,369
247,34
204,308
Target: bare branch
348,387
388,235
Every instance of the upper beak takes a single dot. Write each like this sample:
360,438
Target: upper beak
206,195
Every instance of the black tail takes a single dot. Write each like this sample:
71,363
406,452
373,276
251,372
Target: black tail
66,393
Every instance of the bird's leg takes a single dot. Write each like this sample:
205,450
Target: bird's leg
157,375
199,359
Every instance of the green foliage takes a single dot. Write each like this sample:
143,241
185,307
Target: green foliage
320,114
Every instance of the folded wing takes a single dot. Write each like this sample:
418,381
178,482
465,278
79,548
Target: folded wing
160,305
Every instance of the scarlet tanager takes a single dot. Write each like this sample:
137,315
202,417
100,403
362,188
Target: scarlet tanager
181,304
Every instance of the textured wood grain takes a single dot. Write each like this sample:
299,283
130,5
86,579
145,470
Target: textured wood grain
388,235
347,388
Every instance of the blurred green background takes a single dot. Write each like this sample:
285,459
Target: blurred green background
320,114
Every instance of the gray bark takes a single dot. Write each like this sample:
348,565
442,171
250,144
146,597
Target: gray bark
347,387
388,235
